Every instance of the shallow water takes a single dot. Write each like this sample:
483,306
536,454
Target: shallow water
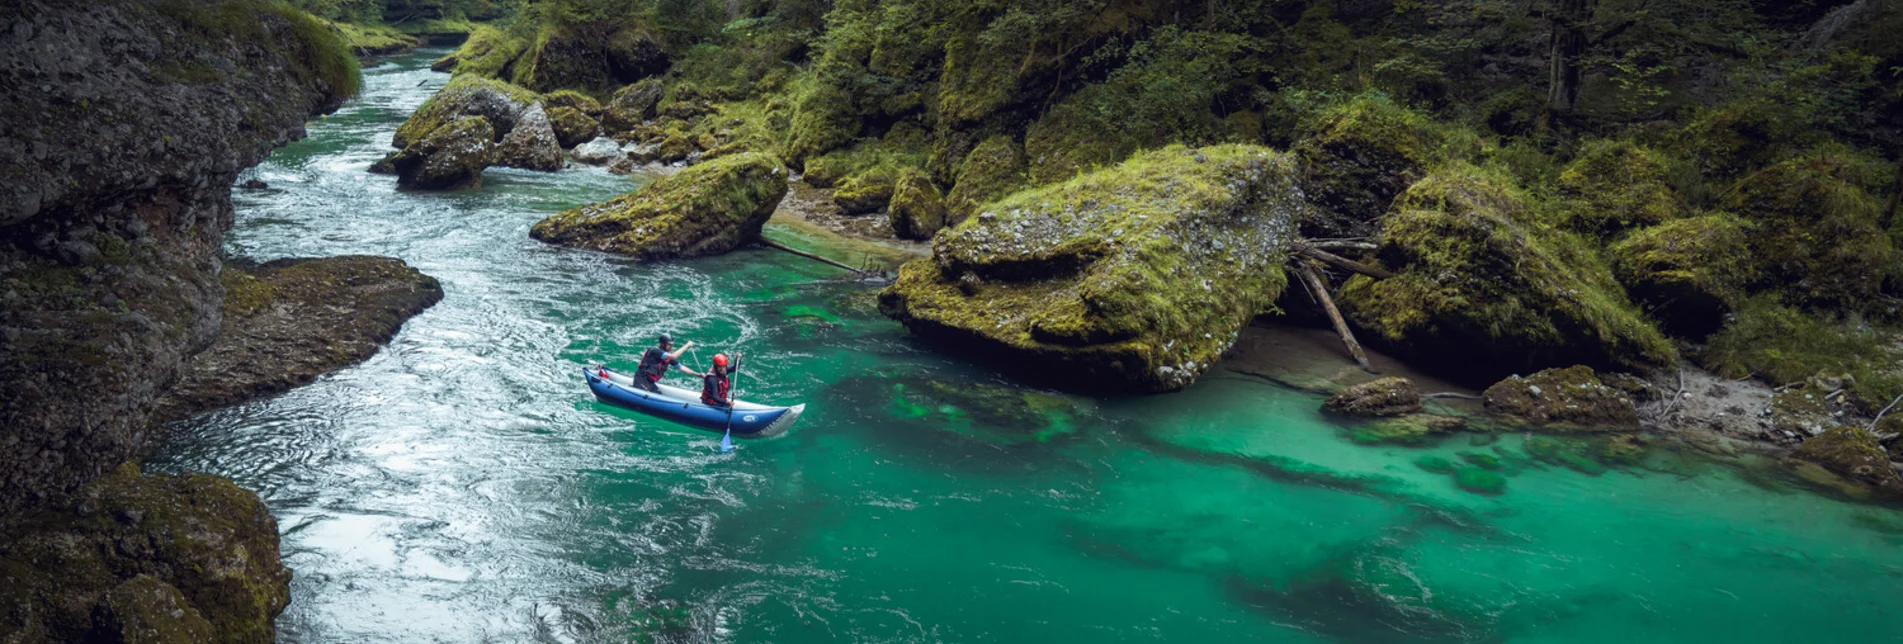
462,486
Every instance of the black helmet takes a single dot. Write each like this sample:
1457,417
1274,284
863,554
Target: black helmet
667,339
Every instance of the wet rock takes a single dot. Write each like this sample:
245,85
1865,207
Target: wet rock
601,151
532,145
202,566
864,194
707,209
254,184
572,126
1383,397
1800,412
1480,481
917,209
1563,399
451,157
288,321
1134,278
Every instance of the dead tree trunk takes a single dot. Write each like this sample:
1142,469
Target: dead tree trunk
1568,42
1320,290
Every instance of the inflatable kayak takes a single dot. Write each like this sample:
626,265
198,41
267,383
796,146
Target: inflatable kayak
748,420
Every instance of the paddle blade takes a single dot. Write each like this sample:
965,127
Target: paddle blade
726,441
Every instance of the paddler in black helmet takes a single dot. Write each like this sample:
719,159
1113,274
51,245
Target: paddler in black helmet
657,359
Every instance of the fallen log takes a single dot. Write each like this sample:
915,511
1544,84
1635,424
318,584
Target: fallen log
1343,263
1320,290
824,260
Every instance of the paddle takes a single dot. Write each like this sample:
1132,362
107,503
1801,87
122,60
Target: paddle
726,440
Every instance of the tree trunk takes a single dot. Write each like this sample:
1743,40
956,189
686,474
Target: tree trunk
1569,19
1896,195
1320,290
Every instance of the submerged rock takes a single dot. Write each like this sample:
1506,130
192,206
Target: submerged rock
1383,397
1570,398
288,321
189,558
1411,429
1854,453
707,209
532,145
1485,289
452,156
1135,277
1480,480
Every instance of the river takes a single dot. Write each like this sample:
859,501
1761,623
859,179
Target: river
463,486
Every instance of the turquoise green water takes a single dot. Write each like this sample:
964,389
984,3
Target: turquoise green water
462,486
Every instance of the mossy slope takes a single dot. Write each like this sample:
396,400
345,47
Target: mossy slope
1135,277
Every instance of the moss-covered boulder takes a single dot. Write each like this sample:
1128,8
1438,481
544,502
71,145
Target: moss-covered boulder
1816,231
1616,186
595,56
1136,277
573,99
1689,273
864,194
572,126
190,558
631,106
532,145
1564,399
993,169
499,103
1356,157
1383,397
707,209
1854,453
487,53
917,208
1486,289
451,157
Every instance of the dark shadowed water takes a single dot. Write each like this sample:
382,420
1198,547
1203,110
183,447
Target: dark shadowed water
462,486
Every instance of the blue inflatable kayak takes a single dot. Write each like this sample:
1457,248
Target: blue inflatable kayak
683,406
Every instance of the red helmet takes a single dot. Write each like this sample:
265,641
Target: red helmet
720,359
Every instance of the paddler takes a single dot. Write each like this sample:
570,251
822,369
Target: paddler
715,388
657,359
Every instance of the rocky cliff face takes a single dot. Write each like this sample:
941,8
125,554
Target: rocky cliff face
122,127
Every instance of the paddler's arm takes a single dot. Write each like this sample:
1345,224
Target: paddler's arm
676,355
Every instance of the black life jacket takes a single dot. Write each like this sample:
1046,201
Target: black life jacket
713,390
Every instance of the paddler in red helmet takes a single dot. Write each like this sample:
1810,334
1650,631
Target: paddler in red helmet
714,391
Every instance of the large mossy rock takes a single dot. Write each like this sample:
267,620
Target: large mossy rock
707,209
1356,158
1816,231
1136,277
1566,399
189,558
1383,397
1690,273
532,145
1853,453
572,126
993,169
1485,289
631,106
593,56
917,209
499,103
1617,186
486,53
452,156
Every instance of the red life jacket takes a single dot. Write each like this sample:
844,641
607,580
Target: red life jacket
713,391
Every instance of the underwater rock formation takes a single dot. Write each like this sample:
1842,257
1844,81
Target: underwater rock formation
1136,277
708,209
1383,397
1566,399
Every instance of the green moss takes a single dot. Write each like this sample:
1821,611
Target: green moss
1411,430
917,208
1481,460
464,95
708,208
372,39
319,53
1482,282
1434,464
572,126
1852,452
245,294
1690,273
573,99
1617,185
1563,399
1480,481
1784,346
1816,230
1357,156
488,53
994,168
1563,453
1137,276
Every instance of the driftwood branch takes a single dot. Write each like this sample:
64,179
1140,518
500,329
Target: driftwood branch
1344,263
1886,409
831,262
1341,244
1452,394
1320,291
